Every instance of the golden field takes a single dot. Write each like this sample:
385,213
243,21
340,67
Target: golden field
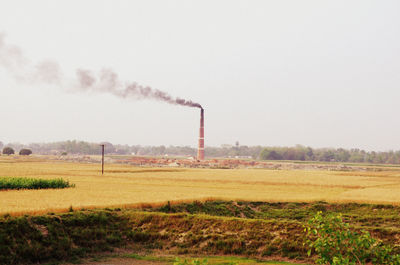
124,185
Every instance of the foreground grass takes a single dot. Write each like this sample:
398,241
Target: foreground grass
12,183
70,236
263,231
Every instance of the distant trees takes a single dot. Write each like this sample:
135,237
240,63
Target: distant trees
233,151
1,144
298,152
25,152
268,154
302,153
8,151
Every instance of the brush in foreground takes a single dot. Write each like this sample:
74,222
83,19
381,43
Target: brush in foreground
336,243
30,183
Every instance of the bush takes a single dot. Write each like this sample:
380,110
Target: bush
8,151
335,243
25,152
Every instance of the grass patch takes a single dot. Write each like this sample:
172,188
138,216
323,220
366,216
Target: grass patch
13,183
149,258
229,260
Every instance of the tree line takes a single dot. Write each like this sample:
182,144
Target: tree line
302,153
298,152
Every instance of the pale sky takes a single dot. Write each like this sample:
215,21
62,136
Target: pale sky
276,73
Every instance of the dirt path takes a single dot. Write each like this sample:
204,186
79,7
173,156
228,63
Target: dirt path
121,261
131,261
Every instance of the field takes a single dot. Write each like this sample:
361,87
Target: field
124,185
153,214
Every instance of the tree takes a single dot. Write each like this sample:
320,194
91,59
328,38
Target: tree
328,155
268,154
108,147
8,151
342,155
310,154
25,152
1,144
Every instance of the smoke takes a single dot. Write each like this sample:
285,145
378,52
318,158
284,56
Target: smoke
48,72
14,61
11,58
106,81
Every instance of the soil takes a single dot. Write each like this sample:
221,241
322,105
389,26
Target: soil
120,261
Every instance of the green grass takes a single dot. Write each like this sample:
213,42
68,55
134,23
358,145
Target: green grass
222,260
12,183
168,259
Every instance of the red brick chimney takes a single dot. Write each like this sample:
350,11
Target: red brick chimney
200,152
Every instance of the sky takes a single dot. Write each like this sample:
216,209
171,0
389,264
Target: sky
273,73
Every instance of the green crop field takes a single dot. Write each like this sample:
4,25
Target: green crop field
13,183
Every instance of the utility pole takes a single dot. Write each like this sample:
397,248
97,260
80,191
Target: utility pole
102,159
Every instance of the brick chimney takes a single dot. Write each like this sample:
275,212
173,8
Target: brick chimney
200,152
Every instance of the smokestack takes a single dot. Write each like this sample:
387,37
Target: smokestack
200,152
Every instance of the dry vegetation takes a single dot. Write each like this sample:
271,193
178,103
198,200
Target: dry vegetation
260,230
127,185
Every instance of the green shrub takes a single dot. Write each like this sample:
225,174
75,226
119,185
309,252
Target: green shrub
12,183
335,243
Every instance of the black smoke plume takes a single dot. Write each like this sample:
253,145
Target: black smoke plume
107,81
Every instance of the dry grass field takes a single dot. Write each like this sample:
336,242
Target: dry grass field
124,185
